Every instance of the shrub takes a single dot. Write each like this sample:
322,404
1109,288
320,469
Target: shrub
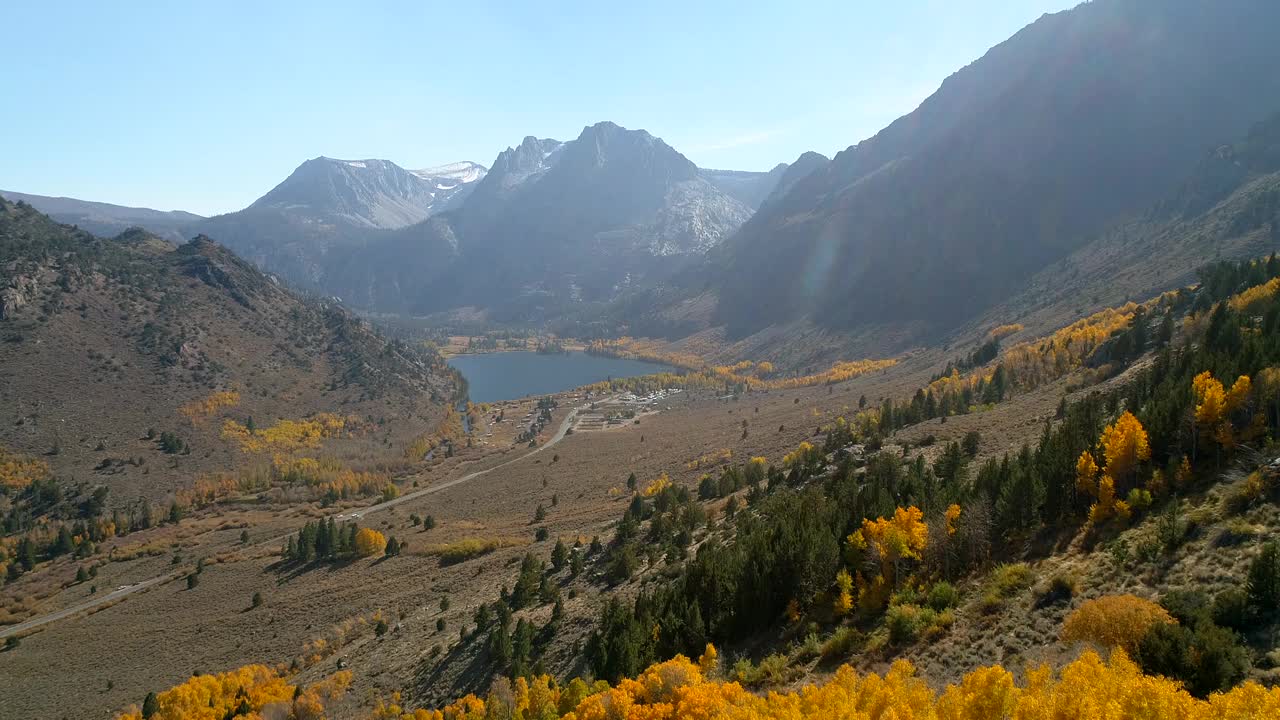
906,622
943,595
807,649
773,670
1231,609
841,644
1207,659
1009,579
1061,586
1188,607
467,549
1114,621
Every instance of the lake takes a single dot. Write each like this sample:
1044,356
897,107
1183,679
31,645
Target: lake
492,377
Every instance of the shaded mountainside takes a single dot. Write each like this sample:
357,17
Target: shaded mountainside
1228,207
104,340
1078,120
107,220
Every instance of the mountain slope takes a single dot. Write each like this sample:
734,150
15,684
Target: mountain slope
106,220
748,188
327,204
1074,122
105,339
1228,207
552,225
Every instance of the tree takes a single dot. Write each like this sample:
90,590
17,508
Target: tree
1124,445
844,593
1264,580
369,542
192,581
150,706
971,443
393,547
559,555
257,600
632,482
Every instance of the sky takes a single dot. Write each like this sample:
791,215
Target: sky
205,107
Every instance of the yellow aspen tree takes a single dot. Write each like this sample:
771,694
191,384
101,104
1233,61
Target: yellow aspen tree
1124,445
1087,474
844,594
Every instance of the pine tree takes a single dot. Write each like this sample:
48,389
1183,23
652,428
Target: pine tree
150,706
559,555
1264,580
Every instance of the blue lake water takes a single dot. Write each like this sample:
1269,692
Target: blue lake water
510,375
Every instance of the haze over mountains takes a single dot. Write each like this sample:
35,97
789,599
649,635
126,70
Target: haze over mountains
1081,121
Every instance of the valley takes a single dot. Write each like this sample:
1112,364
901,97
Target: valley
976,417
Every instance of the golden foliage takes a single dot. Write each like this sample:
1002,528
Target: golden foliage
1113,621
198,410
286,435
18,471
903,536
1258,293
468,548
701,375
679,689
1124,445
251,692
657,485
951,515
805,453
1087,473
844,593
449,430
1215,405
720,457
370,542
1004,331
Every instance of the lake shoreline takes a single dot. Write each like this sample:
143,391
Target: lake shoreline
515,374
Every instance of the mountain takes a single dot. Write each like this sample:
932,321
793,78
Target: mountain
808,163
1079,121
748,188
106,339
551,226
105,219
1228,207
326,204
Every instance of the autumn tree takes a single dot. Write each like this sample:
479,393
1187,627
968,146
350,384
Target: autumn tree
370,542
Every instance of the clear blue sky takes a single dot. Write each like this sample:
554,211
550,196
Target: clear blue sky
206,106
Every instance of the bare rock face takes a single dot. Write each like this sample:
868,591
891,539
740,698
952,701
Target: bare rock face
22,289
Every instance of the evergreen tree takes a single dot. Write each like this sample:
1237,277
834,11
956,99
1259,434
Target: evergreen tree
1264,580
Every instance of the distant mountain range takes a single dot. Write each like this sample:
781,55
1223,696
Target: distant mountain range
106,220
552,225
1037,154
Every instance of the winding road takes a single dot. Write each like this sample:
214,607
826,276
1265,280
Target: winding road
121,592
